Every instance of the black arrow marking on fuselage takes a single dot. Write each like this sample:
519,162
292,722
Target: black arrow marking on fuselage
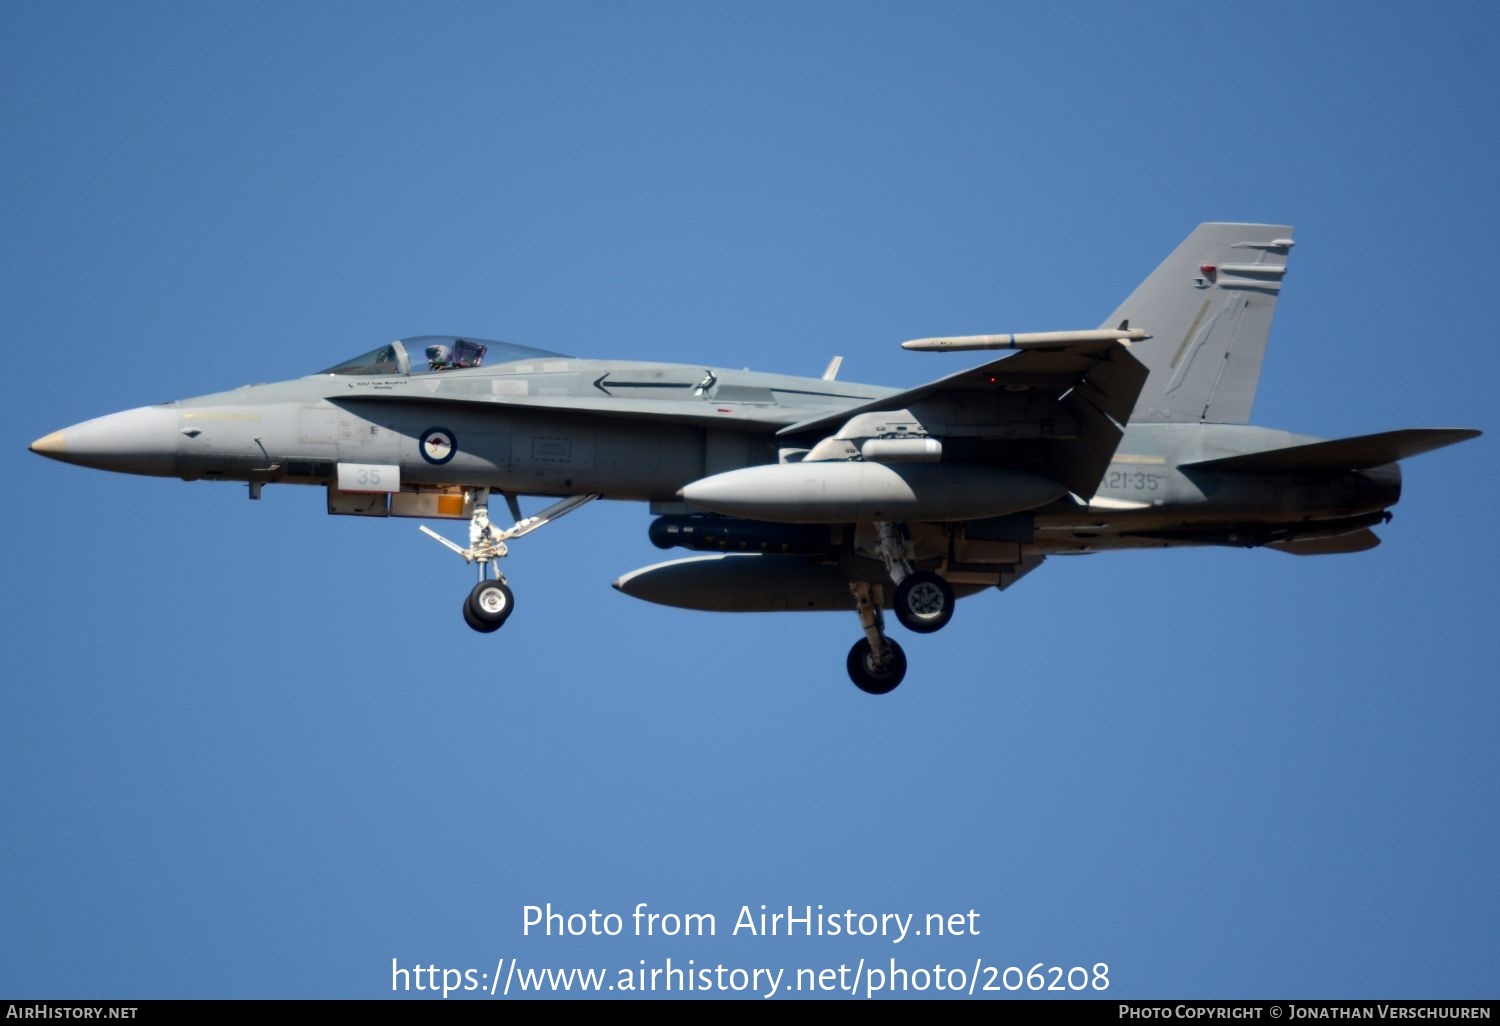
599,384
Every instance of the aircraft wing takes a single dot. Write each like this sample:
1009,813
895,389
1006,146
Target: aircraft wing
1057,410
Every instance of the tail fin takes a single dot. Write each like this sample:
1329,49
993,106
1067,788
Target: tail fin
1208,309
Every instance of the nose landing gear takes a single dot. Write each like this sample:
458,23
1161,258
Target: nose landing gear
491,602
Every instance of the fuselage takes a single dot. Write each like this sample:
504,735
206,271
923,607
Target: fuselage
548,425
552,425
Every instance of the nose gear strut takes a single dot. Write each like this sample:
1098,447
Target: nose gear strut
490,603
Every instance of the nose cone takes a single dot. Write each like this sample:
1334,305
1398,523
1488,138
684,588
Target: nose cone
139,441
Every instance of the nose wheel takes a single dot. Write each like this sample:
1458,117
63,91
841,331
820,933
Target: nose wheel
490,603
481,626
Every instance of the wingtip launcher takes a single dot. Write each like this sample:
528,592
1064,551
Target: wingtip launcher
1024,340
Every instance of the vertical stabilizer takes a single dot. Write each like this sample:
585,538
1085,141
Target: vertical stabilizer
1208,309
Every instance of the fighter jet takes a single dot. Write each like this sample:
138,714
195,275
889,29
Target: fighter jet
813,493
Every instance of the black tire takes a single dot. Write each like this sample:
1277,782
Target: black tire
874,681
924,602
490,602
478,625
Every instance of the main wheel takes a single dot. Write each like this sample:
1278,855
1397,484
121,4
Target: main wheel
869,678
490,602
924,602
478,625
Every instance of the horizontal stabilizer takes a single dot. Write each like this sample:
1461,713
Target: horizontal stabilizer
1357,453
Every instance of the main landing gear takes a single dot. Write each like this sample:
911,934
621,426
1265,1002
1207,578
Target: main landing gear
876,664
490,602
923,603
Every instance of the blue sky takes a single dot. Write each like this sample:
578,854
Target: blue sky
252,751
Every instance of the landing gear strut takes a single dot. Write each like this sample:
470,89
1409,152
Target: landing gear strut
490,603
876,664
923,600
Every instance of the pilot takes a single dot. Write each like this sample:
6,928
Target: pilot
437,357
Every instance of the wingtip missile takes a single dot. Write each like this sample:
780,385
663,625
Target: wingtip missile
1024,340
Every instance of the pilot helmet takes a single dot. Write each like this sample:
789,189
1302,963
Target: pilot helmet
437,354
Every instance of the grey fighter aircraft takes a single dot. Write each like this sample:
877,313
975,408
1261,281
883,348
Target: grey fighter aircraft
813,493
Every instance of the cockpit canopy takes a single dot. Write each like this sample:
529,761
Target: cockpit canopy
428,354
